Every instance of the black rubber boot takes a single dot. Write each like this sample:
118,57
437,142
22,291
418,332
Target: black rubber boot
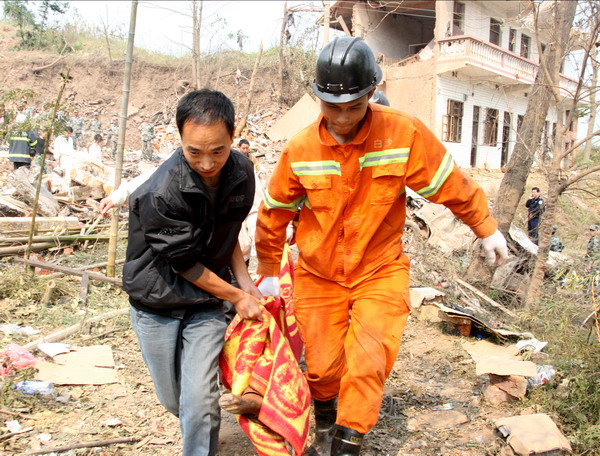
325,415
346,442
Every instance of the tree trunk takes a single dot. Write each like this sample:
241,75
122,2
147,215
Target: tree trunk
545,232
246,111
114,220
326,22
587,151
197,25
551,68
282,62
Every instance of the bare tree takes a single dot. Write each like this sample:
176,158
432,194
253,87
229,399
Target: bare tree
197,25
593,106
105,28
519,165
246,111
282,60
562,164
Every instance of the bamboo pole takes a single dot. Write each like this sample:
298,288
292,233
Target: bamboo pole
114,220
49,133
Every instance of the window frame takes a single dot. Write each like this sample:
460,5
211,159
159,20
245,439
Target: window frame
453,120
490,127
495,23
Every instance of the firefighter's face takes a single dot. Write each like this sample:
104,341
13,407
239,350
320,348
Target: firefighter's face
206,149
344,118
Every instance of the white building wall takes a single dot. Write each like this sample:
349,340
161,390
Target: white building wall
485,96
477,24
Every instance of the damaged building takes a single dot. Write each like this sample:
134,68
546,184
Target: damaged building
464,68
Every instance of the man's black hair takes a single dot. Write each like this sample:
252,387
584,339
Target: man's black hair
98,137
243,141
205,107
69,129
537,189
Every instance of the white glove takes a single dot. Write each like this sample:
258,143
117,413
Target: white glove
269,286
494,247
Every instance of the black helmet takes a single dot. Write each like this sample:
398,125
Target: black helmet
346,70
379,98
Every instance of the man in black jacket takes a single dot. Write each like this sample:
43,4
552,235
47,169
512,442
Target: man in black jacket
183,228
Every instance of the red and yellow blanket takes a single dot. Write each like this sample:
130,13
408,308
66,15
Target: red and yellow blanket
264,356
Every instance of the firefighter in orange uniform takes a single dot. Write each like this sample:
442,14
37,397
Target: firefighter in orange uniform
347,174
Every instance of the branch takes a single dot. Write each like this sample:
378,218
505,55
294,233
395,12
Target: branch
579,143
577,177
96,443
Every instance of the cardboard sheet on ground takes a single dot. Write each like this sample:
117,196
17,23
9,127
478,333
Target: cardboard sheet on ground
532,434
421,294
498,360
92,365
501,334
300,116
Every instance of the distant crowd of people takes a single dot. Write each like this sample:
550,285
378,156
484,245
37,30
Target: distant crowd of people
26,136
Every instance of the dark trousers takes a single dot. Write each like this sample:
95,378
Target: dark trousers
17,165
532,229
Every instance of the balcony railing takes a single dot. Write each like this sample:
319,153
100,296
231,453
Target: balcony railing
468,49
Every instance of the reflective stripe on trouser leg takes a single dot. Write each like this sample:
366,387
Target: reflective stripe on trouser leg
371,340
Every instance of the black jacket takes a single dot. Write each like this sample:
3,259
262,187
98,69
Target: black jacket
173,226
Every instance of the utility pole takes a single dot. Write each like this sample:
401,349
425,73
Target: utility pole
114,220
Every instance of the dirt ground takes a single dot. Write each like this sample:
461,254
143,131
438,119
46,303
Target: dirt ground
432,372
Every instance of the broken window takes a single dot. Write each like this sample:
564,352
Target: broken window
495,31
525,46
458,19
490,134
452,122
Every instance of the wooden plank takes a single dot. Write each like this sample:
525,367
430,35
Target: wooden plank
85,287
41,223
70,271
486,298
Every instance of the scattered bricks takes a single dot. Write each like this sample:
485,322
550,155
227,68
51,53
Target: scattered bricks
514,385
496,396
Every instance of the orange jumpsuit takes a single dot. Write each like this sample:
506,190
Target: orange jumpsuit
352,279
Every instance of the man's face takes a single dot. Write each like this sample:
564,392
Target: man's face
245,149
344,118
68,134
534,193
593,233
206,149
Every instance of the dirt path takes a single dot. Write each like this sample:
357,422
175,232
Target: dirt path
432,372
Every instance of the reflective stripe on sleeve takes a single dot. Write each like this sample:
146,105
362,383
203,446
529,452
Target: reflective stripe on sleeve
316,168
440,177
384,157
272,203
